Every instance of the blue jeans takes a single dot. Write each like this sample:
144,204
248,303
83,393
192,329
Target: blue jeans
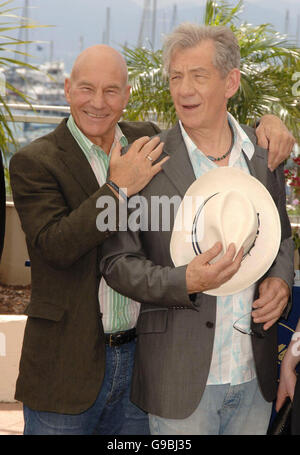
111,414
223,409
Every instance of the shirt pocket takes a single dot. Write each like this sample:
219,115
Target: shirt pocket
45,310
152,321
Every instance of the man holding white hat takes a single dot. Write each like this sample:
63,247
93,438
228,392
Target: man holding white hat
203,364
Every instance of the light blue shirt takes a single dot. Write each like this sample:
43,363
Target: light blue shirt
232,359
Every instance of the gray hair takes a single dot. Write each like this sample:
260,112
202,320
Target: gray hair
187,35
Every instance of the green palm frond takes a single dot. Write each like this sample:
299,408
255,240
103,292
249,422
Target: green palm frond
150,94
221,12
11,22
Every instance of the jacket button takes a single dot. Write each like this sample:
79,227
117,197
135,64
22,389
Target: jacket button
210,324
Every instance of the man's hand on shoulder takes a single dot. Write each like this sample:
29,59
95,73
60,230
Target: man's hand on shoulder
274,136
134,170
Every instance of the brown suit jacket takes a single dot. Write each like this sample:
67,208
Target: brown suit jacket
175,334
55,193
2,205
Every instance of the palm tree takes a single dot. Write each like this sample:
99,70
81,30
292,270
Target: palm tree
150,92
268,62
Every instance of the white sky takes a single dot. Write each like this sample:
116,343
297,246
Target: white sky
162,3
277,4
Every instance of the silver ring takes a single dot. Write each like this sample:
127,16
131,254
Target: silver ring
149,158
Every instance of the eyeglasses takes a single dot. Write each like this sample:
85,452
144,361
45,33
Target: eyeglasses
243,325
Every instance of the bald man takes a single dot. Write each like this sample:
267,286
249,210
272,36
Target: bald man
79,342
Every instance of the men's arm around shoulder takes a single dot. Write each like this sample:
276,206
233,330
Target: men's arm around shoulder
127,270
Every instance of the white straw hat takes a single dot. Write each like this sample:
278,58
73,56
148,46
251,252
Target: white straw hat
229,206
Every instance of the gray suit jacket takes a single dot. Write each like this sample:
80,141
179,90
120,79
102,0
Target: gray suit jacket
175,334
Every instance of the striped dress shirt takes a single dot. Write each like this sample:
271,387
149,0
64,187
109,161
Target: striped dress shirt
119,312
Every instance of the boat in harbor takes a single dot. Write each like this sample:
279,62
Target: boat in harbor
43,86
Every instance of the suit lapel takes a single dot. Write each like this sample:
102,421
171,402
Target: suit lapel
74,158
178,168
258,165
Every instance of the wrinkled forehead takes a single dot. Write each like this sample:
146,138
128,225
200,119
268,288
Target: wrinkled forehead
198,56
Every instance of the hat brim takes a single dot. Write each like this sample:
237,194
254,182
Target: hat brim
262,255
